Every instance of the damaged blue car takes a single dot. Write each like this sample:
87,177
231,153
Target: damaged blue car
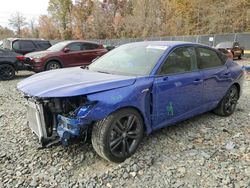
134,89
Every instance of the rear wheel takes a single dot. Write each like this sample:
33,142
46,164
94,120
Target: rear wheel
7,72
117,137
227,105
52,65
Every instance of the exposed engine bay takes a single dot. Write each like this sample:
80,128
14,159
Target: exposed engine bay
43,116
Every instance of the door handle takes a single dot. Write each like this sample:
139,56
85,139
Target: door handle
165,78
228,74
197,81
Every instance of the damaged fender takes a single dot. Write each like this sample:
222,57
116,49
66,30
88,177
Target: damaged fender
102,104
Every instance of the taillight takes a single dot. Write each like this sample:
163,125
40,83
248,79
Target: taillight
20,58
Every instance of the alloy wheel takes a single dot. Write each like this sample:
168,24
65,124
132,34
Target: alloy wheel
6,72
231,100
54,66
124,136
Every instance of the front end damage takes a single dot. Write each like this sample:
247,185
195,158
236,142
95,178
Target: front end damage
59,119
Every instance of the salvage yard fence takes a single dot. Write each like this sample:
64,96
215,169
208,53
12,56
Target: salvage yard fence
210,40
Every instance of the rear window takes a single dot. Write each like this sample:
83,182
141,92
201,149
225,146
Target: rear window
43,44
27,45
89,46
209,59
23,45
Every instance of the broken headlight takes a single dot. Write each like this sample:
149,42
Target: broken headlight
85,109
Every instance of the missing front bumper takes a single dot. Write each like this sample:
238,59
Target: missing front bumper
36,121
64,128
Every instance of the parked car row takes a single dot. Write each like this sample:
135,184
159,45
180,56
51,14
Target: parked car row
38,55
64,54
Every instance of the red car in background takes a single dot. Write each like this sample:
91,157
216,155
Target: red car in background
64,54
231,49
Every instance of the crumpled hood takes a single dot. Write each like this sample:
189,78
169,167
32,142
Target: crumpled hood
71,82
33,54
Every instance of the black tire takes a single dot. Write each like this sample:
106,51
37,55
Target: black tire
52,65
114,139
227,105
7,72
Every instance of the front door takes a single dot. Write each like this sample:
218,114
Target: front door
177,89
73,56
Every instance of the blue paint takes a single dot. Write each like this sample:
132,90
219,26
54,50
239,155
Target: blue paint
246,68
188,96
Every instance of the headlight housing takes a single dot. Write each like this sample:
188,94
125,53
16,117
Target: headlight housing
84,110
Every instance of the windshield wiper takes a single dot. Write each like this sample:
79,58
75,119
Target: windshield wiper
85,67
103,72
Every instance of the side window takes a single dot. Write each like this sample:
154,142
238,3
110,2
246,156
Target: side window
16,45
43,45
89,46
208,59
179,61
74,47
24,45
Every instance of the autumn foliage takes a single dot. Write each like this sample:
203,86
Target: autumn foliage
95,19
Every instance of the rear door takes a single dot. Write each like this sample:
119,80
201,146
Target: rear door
177,89
216,75
90,52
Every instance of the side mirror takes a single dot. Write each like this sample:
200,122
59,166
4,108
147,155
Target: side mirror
66,50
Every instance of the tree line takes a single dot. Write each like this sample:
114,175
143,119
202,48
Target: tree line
95,19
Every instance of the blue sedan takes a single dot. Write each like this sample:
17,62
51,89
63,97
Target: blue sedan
134,89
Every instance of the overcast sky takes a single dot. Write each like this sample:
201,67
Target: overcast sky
29,8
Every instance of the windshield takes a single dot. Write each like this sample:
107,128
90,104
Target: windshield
130,59
225,45
58,46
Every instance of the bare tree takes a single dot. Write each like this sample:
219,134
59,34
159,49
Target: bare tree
17,21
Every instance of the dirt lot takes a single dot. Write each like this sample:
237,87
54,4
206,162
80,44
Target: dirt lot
205,151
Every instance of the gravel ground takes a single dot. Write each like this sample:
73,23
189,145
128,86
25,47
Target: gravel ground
205,151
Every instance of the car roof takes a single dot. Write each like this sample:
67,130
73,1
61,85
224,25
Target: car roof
71,41
170,43
33,39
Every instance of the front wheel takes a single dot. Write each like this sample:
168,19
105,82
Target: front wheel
53,65
7,72
227,105
117,137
